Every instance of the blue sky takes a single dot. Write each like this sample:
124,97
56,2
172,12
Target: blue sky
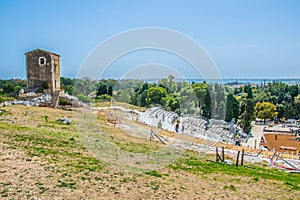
245,39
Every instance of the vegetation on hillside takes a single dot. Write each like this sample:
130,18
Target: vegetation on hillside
10,88
211,100
215,101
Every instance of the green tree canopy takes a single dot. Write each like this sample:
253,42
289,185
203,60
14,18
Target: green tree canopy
232,108
188,100
265,110
247,116
297,104
156,95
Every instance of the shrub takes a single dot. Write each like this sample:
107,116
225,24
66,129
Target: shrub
103,98
83,98
3,99
63,102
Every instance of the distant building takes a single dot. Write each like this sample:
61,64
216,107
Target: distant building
42,71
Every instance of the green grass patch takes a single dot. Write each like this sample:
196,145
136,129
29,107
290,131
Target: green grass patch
4,192
135,147
231,187
58,147
195,165
155,173
70,185
256,179
8,126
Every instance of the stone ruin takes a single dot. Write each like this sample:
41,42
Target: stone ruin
199,127
43,82
155,115
42,71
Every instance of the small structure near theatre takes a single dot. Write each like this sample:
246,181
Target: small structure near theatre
43,82
42,71
43,74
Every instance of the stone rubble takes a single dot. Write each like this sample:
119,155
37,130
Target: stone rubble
38,101
65,121
44,100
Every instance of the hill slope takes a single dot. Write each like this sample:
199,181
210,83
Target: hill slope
42,158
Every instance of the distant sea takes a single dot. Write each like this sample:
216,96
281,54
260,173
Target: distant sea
259,81
250,81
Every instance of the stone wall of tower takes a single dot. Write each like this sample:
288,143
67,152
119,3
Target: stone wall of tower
42,75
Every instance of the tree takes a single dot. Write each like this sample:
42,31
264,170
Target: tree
172,103
232,108
207,107
69,89
204,100
220,110
265,110
103,98
288,110
297,104
83,98
169,84
156,95
220,106
247,116
110,90
102,89
142,98
294,90
188,100
11,87
122,96
140,95
84,86
66,81
248,90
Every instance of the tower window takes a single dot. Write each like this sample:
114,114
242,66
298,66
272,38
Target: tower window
42,61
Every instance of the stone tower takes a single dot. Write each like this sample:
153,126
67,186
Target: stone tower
42,71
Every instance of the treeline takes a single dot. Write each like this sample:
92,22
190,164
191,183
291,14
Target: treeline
275,100
10,89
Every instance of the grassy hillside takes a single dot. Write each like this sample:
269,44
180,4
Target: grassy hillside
42,158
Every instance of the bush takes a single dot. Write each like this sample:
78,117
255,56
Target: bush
83,98
63,102
103,98
3,99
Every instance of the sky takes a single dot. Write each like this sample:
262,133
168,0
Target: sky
244,39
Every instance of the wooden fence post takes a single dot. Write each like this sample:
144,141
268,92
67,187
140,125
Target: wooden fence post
217,155
242,159
237,159
223,154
